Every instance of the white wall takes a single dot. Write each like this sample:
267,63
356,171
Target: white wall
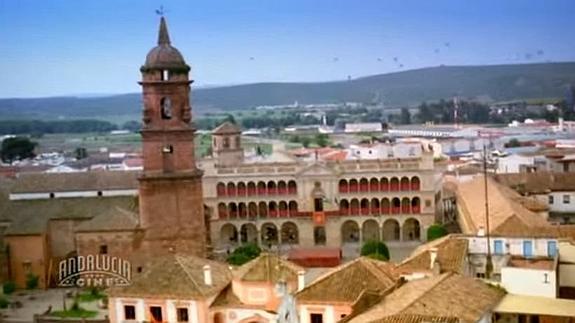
512,246
512,163
39,196
530,282
566,264
558,205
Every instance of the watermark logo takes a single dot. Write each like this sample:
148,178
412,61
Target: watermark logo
94,271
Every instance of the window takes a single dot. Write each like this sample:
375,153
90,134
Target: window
103,249
316,318
100,193
182,314
480,275
27,266
168,149
498,247
226,142
550,198
566,199
166,108
527,248
427,203
551,248
165,75
318,204
156,312
52,195
129,312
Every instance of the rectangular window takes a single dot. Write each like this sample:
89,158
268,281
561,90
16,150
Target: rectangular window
103,249
527,248
316,318
566,199
550,197
129,312
551,248
182,314
156,312
498,247
27,267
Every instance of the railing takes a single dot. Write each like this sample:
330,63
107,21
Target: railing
384,210
261,191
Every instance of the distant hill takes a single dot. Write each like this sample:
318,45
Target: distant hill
491,83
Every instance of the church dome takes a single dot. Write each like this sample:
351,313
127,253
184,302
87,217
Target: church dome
164,56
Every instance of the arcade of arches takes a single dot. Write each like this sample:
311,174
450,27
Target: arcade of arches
351,231
260,188
384,184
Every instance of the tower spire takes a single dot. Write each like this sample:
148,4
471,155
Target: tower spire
163,36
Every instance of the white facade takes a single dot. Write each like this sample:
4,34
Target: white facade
42,196
383,151
363,127
512,246
529,281
562,202
513,163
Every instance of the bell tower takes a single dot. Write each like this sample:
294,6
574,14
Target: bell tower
171,200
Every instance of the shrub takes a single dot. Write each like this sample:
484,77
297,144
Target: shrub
377,248
377,256
32,281
244,254
436,231
9,287
4,302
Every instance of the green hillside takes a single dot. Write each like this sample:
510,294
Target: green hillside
492,83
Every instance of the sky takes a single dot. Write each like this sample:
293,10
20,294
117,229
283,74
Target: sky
92,47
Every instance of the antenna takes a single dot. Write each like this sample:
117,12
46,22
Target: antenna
488,262
456,111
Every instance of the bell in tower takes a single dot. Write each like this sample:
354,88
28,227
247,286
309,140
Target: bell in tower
171,200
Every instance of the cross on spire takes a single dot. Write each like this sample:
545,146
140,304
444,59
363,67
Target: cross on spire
163,36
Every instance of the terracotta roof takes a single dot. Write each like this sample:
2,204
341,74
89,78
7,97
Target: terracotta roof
30,217
503,207
226,128
227,298
412,318
115,219
441,297
347,282
268,267
164,55
451,256
538,182
71,182
177,277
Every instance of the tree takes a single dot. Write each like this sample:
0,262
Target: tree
17,148
132,126
80,153
230,118
321,139
375,249
513,143
436,231
405,116
243,254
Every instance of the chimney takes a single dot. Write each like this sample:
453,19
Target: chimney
300,280
481,232
434,264
207,275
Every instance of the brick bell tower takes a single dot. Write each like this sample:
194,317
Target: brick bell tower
171,200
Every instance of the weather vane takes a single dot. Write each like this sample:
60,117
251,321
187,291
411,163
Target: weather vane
160,11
